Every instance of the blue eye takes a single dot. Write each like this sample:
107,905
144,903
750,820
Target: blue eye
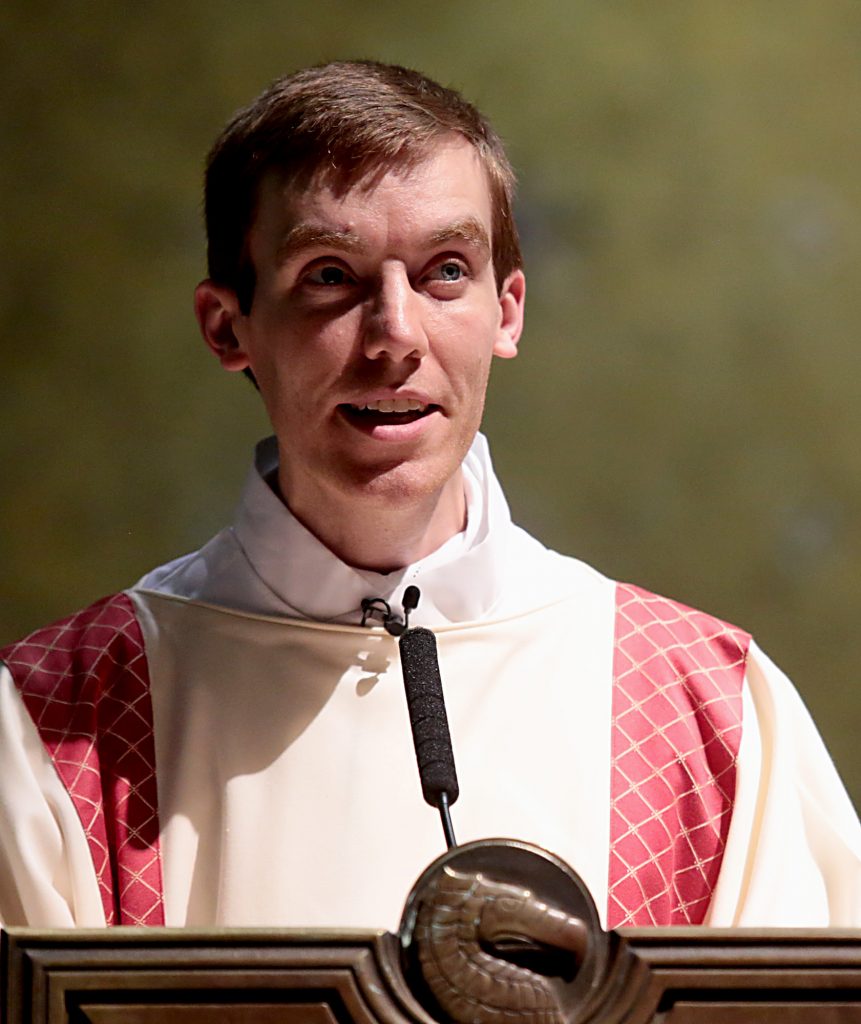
450,271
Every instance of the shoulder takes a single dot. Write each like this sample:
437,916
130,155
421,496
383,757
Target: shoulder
219,573
80,654
644,621
647,621
669,655
538,575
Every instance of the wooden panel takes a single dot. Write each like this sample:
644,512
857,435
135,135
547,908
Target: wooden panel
215,1013
78,977
719,976
160,976
813,1012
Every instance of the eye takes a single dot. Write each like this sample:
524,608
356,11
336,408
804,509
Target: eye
449,272
330,275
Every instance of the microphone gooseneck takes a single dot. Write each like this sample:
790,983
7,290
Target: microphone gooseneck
429,723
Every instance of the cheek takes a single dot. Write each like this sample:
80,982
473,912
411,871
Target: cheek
465,338
472,359
280,382
300,362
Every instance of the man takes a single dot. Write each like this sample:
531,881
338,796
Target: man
227,742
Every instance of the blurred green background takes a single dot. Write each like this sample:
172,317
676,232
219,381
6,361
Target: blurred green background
685,412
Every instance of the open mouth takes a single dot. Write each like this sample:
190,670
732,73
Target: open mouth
387,412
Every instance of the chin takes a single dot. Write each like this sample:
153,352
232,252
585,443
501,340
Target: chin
406,483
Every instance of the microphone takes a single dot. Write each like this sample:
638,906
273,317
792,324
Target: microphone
429,722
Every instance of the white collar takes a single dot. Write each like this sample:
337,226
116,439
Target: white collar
267,563
460,581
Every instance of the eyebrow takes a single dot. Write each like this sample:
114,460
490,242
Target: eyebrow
469,230
310,236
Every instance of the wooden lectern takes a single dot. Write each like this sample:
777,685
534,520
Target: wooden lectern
495,932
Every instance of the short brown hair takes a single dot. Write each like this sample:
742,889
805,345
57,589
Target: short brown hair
341,123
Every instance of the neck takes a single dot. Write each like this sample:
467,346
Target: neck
380,535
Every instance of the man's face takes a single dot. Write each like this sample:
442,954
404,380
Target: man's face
374,321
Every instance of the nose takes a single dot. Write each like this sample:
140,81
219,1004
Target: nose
394,328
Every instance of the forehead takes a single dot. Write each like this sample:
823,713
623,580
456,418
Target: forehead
427,195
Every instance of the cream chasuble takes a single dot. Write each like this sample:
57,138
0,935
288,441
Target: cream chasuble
287,788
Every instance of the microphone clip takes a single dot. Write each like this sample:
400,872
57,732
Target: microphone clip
380,609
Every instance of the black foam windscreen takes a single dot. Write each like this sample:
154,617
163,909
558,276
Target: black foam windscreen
428,719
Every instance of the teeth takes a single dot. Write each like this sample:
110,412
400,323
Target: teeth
393,405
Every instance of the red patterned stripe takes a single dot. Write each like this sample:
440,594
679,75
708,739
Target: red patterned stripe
678,675
85,684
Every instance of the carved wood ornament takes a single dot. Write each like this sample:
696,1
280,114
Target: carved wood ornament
495,932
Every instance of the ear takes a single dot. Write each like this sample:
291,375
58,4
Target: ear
218,315
512,296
